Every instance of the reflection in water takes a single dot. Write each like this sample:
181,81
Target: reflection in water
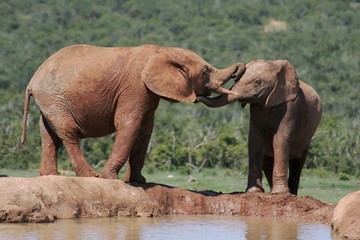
168,227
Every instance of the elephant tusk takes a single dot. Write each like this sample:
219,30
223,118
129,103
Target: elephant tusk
225,91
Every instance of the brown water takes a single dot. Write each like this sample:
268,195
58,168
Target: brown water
168,227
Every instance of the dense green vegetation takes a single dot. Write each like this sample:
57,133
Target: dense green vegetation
320,38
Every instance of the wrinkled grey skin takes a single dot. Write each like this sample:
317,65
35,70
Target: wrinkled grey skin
284,114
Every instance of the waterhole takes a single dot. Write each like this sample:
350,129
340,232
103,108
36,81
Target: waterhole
168,227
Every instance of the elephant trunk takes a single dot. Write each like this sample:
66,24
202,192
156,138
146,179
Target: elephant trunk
218,101
223,76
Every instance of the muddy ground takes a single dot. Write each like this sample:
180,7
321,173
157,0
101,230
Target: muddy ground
285,206
45,199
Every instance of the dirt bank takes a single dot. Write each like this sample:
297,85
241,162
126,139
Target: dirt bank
45,199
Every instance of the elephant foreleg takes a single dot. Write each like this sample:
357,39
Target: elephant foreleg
127,128
50,143
281,164
138,152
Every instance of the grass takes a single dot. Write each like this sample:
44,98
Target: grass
209,179
319,184
326,188
20,173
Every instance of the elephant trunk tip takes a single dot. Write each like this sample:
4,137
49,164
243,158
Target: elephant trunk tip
214,102
218,88
225,91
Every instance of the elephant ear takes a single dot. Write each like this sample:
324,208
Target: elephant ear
166,77
286,87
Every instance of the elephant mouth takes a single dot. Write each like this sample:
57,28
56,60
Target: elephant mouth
245,101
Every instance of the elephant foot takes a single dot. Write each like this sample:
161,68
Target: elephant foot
278,189
254,189
87,172
108,174
45,172
135,177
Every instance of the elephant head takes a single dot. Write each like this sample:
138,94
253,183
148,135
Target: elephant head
269,83
181,75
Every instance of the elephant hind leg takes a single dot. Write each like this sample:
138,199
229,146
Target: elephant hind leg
50,143
81,167
268,166
66,129
295,168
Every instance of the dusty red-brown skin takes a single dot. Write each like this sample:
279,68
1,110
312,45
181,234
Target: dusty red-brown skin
284,114
86,91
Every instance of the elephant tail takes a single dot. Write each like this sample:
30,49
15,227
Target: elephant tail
26,110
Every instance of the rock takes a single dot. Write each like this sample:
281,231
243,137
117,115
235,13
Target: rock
47,198
44,199
346,219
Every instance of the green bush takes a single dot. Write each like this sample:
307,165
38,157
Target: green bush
344,177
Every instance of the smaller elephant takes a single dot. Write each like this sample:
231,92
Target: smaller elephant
284,114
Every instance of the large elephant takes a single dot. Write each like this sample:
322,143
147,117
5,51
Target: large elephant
284,114
87,91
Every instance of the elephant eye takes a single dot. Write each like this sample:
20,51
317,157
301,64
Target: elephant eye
179,66
257,82
205,73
